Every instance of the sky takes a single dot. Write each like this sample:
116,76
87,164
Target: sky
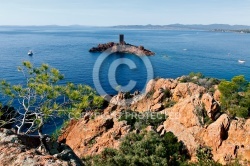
118,12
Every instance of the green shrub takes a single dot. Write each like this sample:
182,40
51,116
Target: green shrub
184,79
235,98
91,142
58,131
127,95
198,75
238,111
214,81
200,79
211,90
147,149
202,115
205,157
166,93
168,104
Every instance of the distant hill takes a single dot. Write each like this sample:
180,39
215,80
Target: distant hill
225,27
211,27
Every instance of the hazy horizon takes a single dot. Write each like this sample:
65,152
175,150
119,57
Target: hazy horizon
112,13
125,25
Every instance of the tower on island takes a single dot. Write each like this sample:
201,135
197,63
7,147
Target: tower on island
122,39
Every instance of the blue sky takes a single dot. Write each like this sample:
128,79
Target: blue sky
129,12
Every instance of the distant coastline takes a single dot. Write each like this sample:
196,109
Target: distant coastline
210,27
237,31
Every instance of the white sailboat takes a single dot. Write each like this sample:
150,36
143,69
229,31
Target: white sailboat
241,61
30,53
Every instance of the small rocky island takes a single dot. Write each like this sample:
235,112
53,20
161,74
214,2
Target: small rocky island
122,47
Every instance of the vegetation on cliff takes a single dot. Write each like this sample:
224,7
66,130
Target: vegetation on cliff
151,149
235,94
200,79
146,148
235,98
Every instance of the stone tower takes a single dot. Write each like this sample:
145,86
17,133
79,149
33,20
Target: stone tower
122,39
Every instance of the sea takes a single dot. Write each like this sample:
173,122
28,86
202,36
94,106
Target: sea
177,53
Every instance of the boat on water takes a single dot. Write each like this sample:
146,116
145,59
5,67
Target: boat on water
241,61
30,53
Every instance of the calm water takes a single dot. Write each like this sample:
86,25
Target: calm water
178,53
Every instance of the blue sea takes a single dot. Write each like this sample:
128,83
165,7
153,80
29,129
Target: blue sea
178,52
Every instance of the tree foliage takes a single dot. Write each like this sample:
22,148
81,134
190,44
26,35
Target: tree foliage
205,157
235,98
142,149
41,97
7,116
200,79
198,75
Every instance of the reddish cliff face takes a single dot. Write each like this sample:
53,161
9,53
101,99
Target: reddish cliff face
90,135
229,139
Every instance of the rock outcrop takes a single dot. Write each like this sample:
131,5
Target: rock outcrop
23,150
122,48
184,123
183,90
193,116
217,95
216,132
236,144
211,106
93,133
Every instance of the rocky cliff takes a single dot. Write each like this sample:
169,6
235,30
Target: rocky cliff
91,134
25,150
194,116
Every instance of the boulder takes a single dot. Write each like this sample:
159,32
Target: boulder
211,106
217,132
158,97
149,128
170,83
15,151
183,90
184,134
156,107
160,128
236,144
217,95
184,123
185,112
160,83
